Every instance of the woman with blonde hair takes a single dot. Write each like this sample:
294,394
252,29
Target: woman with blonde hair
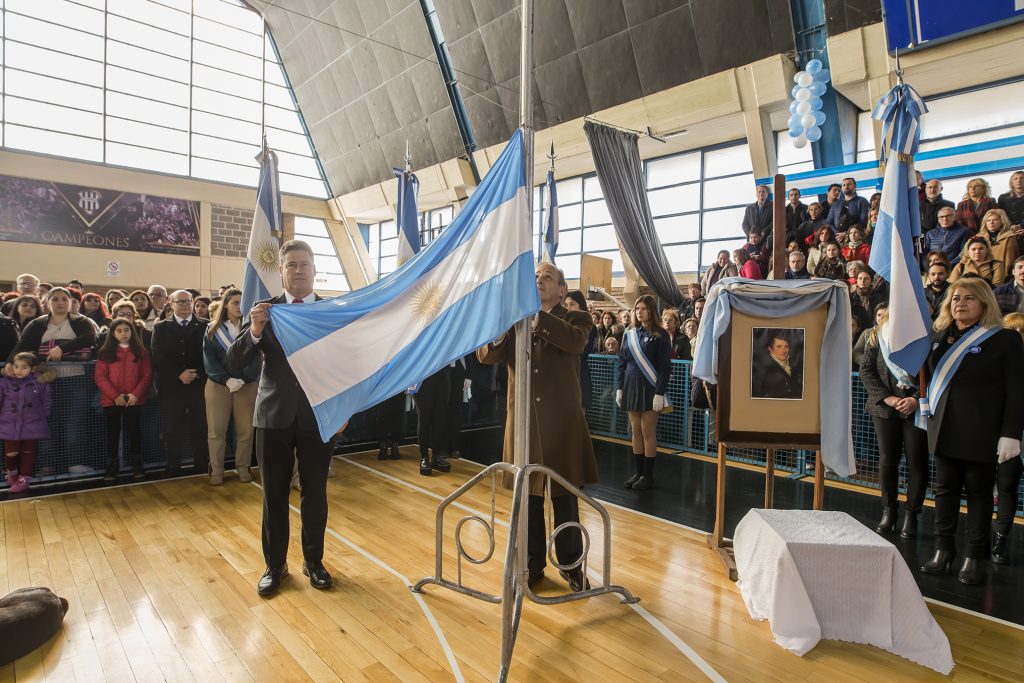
977,261
974,414
996,229
977,202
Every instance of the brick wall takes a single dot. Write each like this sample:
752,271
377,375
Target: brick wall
229,235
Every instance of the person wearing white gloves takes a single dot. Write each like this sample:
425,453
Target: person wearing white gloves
643,371
227,394
974,408
1008,474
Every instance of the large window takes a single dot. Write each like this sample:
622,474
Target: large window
184,87
330,275
382,238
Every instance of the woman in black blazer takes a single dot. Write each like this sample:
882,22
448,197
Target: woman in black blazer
975,423
891,404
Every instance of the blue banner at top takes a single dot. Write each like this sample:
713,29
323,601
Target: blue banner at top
911,24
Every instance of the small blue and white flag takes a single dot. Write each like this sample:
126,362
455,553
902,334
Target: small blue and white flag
551,222
899,228
261,274
467,287
407,219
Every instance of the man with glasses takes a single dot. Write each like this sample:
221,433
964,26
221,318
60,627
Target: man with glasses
949,237
158,295
27,283
177,353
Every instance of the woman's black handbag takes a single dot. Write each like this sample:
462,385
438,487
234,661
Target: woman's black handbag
703,395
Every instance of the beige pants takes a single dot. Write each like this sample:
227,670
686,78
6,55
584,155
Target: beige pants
221,405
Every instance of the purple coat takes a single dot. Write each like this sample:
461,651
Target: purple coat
24,407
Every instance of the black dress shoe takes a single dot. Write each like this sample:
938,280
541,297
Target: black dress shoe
382,454
1000,549
576,579
643,483
271,581
440,463
318,576
395,454
940,562
632,480
888,522
972,572
425,469
535,578
908,527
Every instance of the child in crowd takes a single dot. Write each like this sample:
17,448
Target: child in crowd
123,374
25,400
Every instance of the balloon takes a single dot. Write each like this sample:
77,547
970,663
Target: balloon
796,131
795,90
803,94
797,75
815,103
817,88
813,133
819,118
804,79
807,120
803,108
824,76
800,142
813,66
792,106
795,121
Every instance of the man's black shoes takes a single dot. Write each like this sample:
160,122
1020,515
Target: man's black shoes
576,579
270,582
318,575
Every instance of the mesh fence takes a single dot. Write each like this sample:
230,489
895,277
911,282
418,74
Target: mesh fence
692,430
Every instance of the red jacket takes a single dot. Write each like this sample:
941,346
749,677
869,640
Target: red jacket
861,253
126,375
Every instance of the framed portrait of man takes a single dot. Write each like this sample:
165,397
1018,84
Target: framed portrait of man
777,363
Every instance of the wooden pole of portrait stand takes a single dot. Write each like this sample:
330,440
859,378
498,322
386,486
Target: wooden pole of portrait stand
716,539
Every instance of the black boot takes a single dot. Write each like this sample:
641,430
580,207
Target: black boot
382,454
138,472
908,527
972,572
638,463
888,522
646,480
425,468
1000,549
395,455
112,470
940,562
440,463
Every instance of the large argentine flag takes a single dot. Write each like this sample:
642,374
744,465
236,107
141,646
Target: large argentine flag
261,276
408,228
899,227
464,289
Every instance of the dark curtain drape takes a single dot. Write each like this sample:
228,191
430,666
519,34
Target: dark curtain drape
620,172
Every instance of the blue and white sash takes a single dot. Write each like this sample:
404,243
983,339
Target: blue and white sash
642,362
223,337
945,370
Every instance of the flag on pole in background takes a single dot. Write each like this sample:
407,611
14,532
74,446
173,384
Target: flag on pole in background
261,276
551,220
408,218
465,288
899,228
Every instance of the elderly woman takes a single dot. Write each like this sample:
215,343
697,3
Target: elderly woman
975,418
979,261
112,297
678,342
996,228
977,202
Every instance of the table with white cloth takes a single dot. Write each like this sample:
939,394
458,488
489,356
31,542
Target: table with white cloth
823,574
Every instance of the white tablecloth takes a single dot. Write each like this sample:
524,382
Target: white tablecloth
823,574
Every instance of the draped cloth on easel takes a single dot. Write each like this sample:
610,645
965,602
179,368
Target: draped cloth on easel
620,172
779,299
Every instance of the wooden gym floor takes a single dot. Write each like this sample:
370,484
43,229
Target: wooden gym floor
161,580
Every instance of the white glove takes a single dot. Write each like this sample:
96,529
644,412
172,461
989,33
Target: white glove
234,384
659,403
466,384
618,397
1008,448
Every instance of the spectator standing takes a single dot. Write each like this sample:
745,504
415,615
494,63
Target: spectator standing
796,213
201,306
936,286
123,375
831,197
431,400
26,308
693,292
126,309
611,346
758,216
1008,474
8,337
831,266
815,220
177,349
718,270
979,261
932,202
389,415
869,229
892,403
864,300
976,203
25,400
112,297
576,301
698,309
158,297
856,249
975,423
228,395
643,371
1012,202
678,341
797,267
850,210
94,308
746,266
816,246
144,308
949,238
1010,295
996,228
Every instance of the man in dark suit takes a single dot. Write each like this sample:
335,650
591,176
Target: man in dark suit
775,373
758,216
177,351
286,430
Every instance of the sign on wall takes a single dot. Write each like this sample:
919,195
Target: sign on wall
923,23
42,212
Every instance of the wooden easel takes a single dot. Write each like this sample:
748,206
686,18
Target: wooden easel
716,539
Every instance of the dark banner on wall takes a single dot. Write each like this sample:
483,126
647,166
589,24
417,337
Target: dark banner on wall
79,216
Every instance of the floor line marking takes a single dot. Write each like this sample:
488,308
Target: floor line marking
452,661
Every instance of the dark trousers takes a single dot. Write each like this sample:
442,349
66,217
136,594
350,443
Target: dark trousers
453,414
952,476
568,543
276,453
131,417
431,401
1008,484
390,422
896,435
184,409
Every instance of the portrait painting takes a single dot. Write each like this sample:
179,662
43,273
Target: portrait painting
777,363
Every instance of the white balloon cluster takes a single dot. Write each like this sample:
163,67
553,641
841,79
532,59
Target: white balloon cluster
805,115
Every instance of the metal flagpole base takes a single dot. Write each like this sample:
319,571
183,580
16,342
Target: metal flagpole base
515,584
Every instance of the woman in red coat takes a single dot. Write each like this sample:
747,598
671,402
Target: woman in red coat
123,374
976,203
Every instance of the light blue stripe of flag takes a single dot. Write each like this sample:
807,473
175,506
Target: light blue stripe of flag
407,218
261,275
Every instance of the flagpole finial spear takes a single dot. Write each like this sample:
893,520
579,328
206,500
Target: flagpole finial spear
552,155
408,157
899,68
